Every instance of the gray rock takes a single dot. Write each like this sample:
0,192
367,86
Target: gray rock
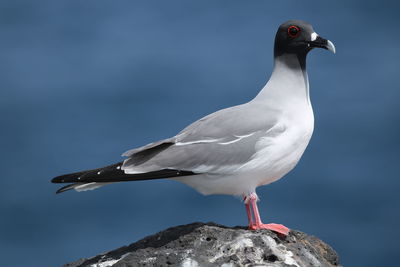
210,244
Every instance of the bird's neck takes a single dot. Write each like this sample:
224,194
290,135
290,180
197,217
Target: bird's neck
288,82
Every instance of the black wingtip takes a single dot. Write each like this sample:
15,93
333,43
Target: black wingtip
113,173
57,180
75,177
66,178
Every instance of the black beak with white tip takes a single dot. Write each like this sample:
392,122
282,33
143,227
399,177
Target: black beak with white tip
322,43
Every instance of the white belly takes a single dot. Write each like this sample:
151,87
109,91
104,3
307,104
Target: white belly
277,154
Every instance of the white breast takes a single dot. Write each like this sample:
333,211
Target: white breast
281,149
277,154
283,145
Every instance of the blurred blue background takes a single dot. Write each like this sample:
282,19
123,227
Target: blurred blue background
83,81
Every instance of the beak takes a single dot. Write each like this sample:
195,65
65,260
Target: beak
322,43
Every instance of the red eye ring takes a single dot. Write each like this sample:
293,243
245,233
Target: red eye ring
293,31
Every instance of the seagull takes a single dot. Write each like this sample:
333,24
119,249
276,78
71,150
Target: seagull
234,150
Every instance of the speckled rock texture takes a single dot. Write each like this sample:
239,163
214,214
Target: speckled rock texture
210,244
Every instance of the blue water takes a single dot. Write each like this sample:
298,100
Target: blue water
83,81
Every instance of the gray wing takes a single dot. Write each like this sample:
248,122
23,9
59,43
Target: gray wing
217,143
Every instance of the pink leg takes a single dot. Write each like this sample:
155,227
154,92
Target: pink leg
248,211
252,201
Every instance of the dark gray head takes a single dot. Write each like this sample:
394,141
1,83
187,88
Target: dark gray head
298,37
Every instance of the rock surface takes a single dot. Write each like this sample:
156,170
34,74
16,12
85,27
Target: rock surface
210,244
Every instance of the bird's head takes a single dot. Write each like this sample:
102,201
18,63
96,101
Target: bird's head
299,37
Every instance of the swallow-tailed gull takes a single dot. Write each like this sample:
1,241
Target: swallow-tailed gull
234,150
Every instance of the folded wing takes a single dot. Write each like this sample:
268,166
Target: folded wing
214,144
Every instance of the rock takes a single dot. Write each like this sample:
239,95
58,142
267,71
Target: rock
210,244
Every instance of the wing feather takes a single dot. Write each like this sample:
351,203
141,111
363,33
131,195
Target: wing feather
215,143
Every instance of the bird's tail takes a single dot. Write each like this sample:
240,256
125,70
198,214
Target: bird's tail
81,187
92,179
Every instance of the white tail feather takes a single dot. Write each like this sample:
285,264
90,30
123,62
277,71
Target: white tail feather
89,186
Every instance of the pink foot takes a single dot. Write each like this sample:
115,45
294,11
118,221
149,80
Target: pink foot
279,228
251,204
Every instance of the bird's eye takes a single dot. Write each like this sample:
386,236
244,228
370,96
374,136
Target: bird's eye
293,31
